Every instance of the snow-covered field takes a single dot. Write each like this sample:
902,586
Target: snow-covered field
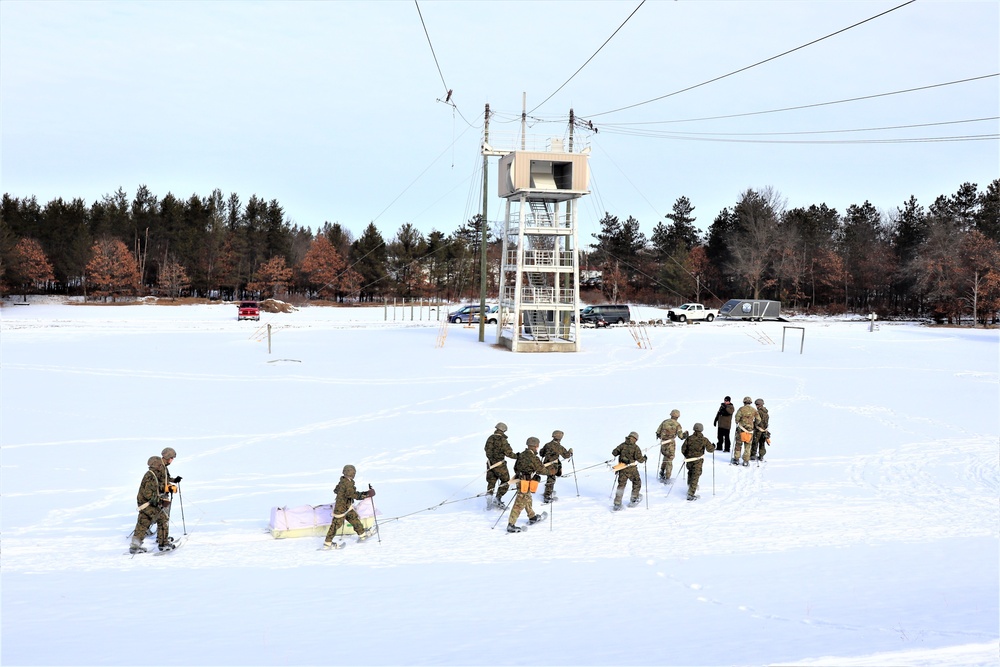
869,537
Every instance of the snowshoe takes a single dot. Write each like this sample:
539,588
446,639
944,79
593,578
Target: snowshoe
513,529
735,462
746,463
635,501
366,534
616,507
498,504
332,546
169,546
538,517
693,496
135,549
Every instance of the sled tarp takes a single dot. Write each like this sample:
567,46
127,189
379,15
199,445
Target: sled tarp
311,520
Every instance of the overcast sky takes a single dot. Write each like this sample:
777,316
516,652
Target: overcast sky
334,108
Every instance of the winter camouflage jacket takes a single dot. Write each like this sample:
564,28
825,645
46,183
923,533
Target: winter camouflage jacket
151,487
628,452
347,493
696,445
669,429
550,454
528,465
763,418
747,417
497,447
724,417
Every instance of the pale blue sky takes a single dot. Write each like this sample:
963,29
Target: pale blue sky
332,107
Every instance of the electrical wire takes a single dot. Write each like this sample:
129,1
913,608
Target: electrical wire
743,69
448,91
590,58
859,129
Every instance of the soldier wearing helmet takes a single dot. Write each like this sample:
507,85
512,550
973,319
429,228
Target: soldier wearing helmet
746,422
761,435
497,450
694,449
550,454
528,470
152,497
668,432
167,455
629,456
343,507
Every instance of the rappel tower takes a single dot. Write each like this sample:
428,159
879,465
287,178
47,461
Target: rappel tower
539,266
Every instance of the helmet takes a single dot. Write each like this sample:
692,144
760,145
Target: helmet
759,402
557,434
698,428
501,427
532,442
169,453
674,414
728,399
155,462
747,400
350,471
633,435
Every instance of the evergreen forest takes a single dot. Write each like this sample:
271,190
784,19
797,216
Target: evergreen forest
941,260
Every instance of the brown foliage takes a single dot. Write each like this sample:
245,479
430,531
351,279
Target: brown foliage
112,270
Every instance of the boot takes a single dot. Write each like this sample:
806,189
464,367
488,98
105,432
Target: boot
169,546
692,496
511,528
498,504
136,549
735,462
535,519
617,506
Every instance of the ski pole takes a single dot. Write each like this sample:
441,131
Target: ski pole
501,515
573,461
658,468
180,497
645,471
713,472
375,514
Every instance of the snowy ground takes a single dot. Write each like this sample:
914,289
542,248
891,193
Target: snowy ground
871,536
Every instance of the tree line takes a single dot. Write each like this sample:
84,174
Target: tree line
942,260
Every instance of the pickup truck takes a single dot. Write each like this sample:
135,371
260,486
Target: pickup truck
248,310
693,312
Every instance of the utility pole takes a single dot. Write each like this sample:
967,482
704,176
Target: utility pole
484,240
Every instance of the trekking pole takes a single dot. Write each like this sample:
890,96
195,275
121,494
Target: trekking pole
645,471
614,483
713,472
658,468
375,514
501,514
573,461
180,497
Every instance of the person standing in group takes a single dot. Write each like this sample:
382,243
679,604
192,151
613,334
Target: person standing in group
746,421
629,456
343,507
760,434
668,432
550,457
528,470
724,420
694,449
497,449
152,499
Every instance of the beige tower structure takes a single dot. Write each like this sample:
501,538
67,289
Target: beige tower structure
539,267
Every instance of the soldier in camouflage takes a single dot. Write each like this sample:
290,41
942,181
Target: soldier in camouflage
497,449
694,449
343,507
152,498
746,421
760,434
550,457
629,455
668,432
527,469
168,455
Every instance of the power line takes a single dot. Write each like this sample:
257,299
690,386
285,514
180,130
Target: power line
803,106
963,137
590,58
860,129
743,69
447,91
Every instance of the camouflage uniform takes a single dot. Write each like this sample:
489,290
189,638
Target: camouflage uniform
168,455
527,467
724,420
343,508
746,421
760,434
629,453
497,447
152,499
553,466
668,431
695,446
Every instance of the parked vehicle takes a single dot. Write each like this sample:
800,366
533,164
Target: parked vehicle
604,315
469,314
752,309
248,310
692,311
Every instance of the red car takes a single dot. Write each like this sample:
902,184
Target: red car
249,310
